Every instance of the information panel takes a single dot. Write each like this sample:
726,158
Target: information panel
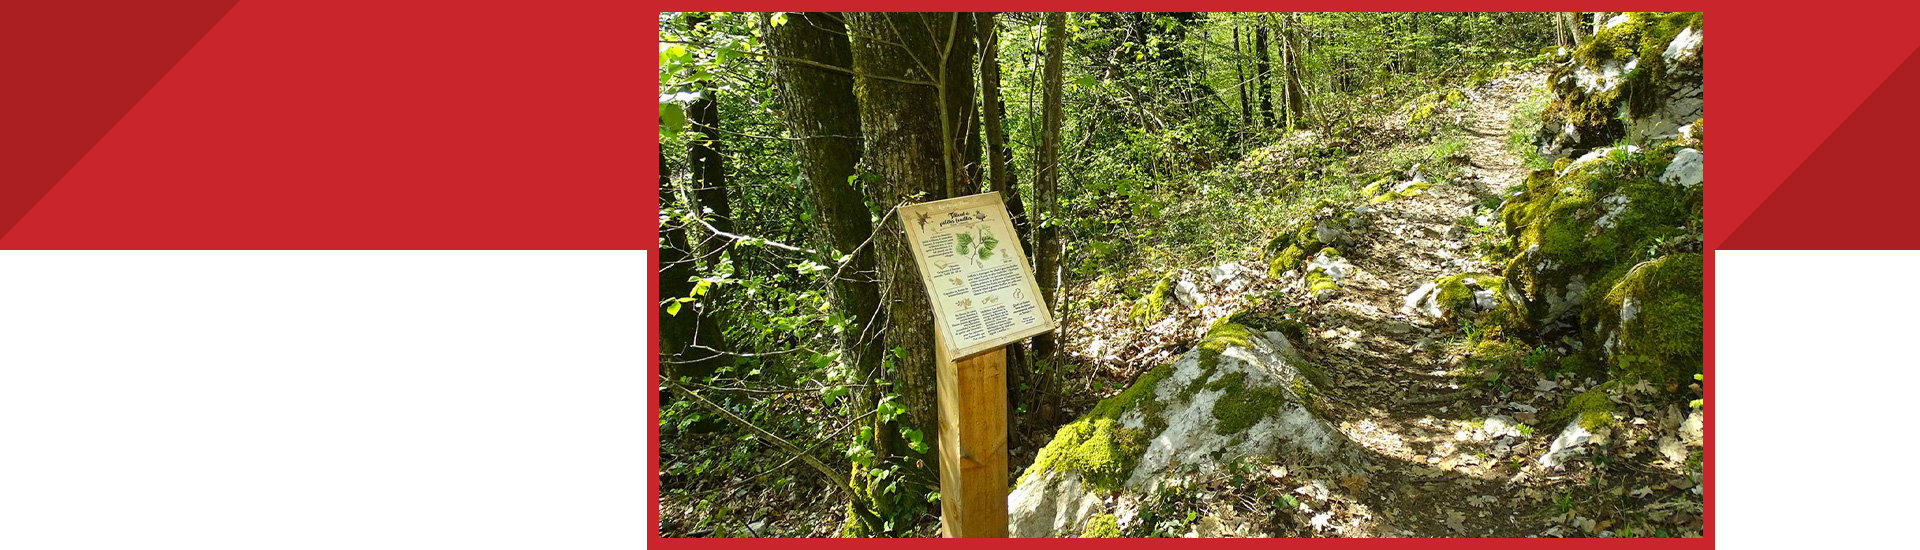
983,291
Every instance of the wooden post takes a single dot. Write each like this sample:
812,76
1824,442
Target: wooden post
973,443
984,297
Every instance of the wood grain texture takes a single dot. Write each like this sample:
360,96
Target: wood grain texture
973,444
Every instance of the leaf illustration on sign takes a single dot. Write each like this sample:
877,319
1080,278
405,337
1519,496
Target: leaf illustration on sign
987,242
962,242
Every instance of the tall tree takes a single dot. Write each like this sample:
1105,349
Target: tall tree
1262,69
709,168
824,118
1559,31
902,62
953,72
1000,175
1290,54
1240,76
1046,181
1000,171
688,336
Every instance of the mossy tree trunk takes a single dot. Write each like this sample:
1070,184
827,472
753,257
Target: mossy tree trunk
913,77
1046,183
1240,76
823,116
1290,52
1263,68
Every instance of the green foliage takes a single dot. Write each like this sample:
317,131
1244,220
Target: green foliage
1102,526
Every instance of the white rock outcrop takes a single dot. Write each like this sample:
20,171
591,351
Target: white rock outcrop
1180,419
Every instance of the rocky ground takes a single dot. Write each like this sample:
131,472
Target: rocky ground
1447,450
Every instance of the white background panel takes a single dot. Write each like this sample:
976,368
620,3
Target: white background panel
323,399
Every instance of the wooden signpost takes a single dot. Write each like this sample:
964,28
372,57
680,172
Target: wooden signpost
984,297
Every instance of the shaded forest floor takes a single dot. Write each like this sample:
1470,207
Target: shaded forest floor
1451,449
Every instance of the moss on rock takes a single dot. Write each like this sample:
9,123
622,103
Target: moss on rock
1239,406
1097,446
1591,409
1592,217
1620,74
1650,319
1102,526
1152,306
1461,297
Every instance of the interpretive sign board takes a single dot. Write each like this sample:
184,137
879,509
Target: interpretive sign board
983,291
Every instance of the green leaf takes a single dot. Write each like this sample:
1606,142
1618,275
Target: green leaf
779,18
673,308
672,119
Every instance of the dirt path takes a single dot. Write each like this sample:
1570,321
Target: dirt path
1399,387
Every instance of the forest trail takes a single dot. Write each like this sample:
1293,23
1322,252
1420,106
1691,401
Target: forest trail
1396,385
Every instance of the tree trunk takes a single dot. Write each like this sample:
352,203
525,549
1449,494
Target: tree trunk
1296,97
1559,34
1000,176
1046,183
824,118
1240,75
1263,67
710,174
1000,155
1572,21
686,325
913,157
954,63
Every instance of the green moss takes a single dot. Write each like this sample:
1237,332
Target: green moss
1152,307
1498,353
1642,39
1663,339
1285,261
1591,409
1096,446
1239,406
1454,293
1103,451
1319,283
1221,335
1101,526
1555,227
1298,244
1374,188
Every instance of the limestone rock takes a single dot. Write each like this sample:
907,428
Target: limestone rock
1687,169
1567,445
1240,395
